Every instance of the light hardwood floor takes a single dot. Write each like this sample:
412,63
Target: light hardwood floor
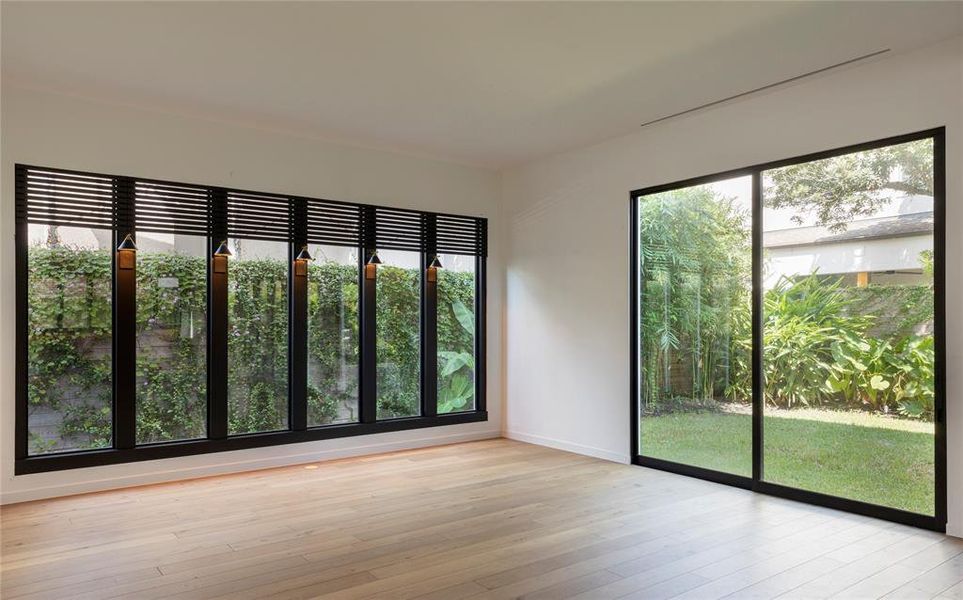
483,520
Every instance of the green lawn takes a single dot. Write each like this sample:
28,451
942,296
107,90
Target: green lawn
853,455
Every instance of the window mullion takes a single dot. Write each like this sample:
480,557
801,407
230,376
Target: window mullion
125,318
22,299
758,382
369,338
481,335
298,319
217,320
429,321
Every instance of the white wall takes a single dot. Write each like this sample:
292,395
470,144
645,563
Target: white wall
61,131
567,272
874,255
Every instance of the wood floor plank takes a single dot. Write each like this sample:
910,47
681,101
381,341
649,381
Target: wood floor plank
932,582
894,548
489,520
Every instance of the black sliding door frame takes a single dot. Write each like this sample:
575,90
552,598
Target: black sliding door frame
757,482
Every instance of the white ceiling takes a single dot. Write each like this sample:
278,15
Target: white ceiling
491,84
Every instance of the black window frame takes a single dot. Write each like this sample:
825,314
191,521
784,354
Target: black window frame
756,482
404,229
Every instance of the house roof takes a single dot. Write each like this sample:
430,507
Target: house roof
920,223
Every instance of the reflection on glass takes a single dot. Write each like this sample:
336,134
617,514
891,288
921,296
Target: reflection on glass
456,333
69,344
848,326
257,380
332,335
398,316
695,378
171,337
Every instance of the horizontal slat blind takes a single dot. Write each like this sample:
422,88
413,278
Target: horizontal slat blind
53,197
334,223
398,229
461,235
60,197
171,208
258,216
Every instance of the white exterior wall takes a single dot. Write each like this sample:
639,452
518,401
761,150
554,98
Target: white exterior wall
892,254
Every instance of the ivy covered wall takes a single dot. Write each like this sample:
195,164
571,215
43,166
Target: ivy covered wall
69,344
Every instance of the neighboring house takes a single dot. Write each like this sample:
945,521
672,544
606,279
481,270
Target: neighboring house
885,248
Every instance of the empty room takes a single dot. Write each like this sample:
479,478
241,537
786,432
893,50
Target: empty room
481,300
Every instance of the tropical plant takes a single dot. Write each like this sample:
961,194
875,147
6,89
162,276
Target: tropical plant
456,368
817,353
885,376
804,320
694,281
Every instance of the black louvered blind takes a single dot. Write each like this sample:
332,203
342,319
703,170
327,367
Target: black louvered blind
461,235
66,198
171,208
333,223
398,229
60,197
258,216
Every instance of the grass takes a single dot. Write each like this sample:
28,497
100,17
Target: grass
861,456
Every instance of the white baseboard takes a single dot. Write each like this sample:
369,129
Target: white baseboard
296,457
567,446
954,530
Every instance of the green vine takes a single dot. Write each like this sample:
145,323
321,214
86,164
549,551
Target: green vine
69,372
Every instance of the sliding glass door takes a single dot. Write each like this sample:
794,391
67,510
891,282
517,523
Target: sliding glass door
848,323
695,276
788,327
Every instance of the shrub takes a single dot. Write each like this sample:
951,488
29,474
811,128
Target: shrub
818,352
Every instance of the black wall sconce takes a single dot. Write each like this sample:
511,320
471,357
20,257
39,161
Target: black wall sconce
221,255
301,261
433,267
371,267
126,253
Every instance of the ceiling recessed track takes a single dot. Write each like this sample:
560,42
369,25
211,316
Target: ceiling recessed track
767,87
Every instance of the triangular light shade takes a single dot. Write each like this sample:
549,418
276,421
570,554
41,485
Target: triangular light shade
374,259
304,254
127,243
436,263
223,250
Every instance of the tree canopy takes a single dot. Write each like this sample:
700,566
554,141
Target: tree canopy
836,190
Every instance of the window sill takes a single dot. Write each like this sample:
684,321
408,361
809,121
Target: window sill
97,458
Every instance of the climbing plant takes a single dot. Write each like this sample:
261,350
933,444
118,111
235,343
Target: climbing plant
69,344
69,340
171,347
257,338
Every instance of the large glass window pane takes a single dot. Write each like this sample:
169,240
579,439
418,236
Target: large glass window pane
694,281
332,335
69,329
456,333
848,326
257,293
171,337
398,316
